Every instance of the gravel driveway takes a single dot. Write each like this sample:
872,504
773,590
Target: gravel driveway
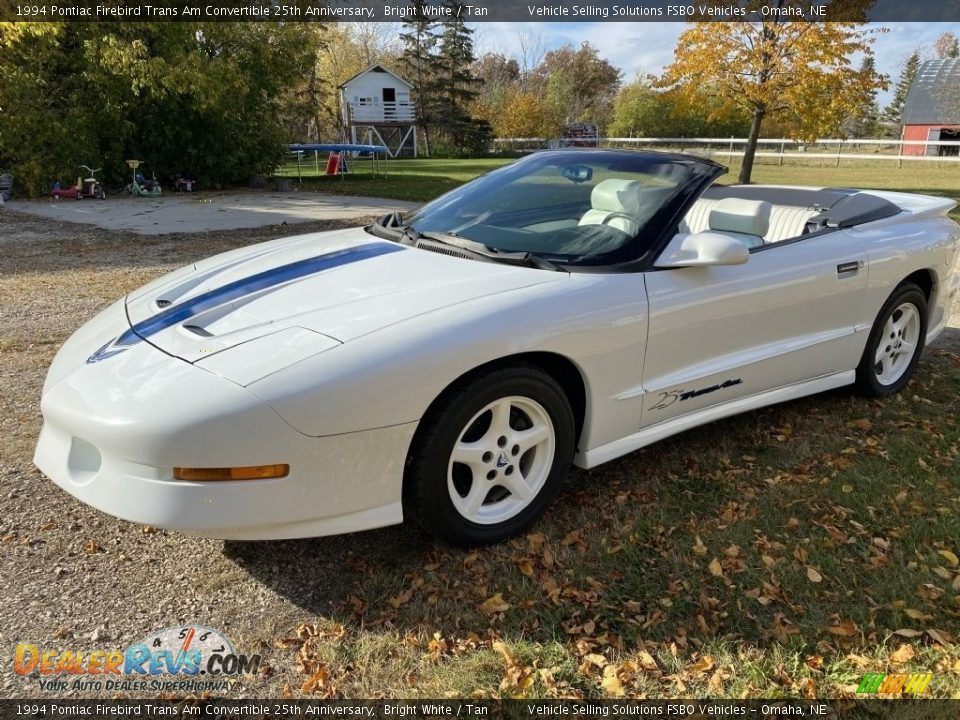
71,577
210,211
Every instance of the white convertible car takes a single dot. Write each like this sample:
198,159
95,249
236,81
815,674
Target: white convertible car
451,364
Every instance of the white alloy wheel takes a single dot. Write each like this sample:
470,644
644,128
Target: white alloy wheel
897,344
501,460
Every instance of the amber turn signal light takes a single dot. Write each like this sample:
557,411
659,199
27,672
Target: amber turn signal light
256,472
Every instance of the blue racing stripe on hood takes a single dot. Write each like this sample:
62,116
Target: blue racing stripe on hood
238,289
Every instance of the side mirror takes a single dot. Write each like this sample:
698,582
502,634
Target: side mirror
703,248
577,173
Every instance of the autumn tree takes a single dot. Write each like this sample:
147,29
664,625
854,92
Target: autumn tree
499,75
577,83
947,46
775,68
523,115
643,110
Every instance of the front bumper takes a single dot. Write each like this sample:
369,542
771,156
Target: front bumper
339,484
114,430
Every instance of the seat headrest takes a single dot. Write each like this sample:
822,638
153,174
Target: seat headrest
749,217
618,196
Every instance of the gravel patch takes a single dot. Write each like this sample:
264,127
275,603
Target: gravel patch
74,578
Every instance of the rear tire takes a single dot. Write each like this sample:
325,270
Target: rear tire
895,343
487,462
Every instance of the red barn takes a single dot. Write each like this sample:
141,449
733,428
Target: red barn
932,109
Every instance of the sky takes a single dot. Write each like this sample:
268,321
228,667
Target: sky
646,47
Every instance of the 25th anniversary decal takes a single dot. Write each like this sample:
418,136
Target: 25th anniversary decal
669,397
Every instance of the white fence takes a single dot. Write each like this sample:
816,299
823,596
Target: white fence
826,151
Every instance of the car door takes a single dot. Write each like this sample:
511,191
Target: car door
721,333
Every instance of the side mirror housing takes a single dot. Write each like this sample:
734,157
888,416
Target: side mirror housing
703,249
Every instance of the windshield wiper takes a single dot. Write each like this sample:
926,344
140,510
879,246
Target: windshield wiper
524,259
388,227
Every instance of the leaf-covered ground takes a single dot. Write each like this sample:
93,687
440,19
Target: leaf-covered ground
785,552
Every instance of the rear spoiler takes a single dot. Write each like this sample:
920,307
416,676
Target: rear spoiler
918,205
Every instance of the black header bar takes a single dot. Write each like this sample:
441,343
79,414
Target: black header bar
483,10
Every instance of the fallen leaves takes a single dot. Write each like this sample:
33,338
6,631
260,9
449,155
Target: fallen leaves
715,568
319,683
950,557
494,604
611,683
402,599
813,575
703,665
525,566
517,678
908,633
903,654
845,629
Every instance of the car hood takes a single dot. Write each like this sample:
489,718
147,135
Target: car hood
318,290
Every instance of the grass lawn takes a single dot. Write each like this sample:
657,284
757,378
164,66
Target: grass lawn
782,553
424,179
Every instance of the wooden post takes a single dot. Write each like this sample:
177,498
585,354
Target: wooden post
839,148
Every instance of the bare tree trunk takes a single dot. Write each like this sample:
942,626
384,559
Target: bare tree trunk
746,169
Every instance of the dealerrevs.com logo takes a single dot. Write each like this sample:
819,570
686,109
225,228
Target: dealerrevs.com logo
187,658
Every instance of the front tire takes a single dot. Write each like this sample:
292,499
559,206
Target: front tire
895,343
491,456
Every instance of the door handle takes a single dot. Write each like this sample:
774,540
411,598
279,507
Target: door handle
849,268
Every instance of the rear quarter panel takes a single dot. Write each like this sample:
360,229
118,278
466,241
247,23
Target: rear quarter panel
899,246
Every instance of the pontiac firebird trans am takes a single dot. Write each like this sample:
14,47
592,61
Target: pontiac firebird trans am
452,363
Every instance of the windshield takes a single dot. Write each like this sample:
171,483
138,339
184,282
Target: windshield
568,206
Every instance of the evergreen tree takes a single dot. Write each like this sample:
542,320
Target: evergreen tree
418,62
455,87
893,112
866,122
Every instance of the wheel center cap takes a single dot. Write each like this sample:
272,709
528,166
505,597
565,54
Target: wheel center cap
502,460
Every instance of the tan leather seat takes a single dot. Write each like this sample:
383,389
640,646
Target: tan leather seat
615,203
786,221
743,220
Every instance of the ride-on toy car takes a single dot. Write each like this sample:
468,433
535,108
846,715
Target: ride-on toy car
450,364
88,187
